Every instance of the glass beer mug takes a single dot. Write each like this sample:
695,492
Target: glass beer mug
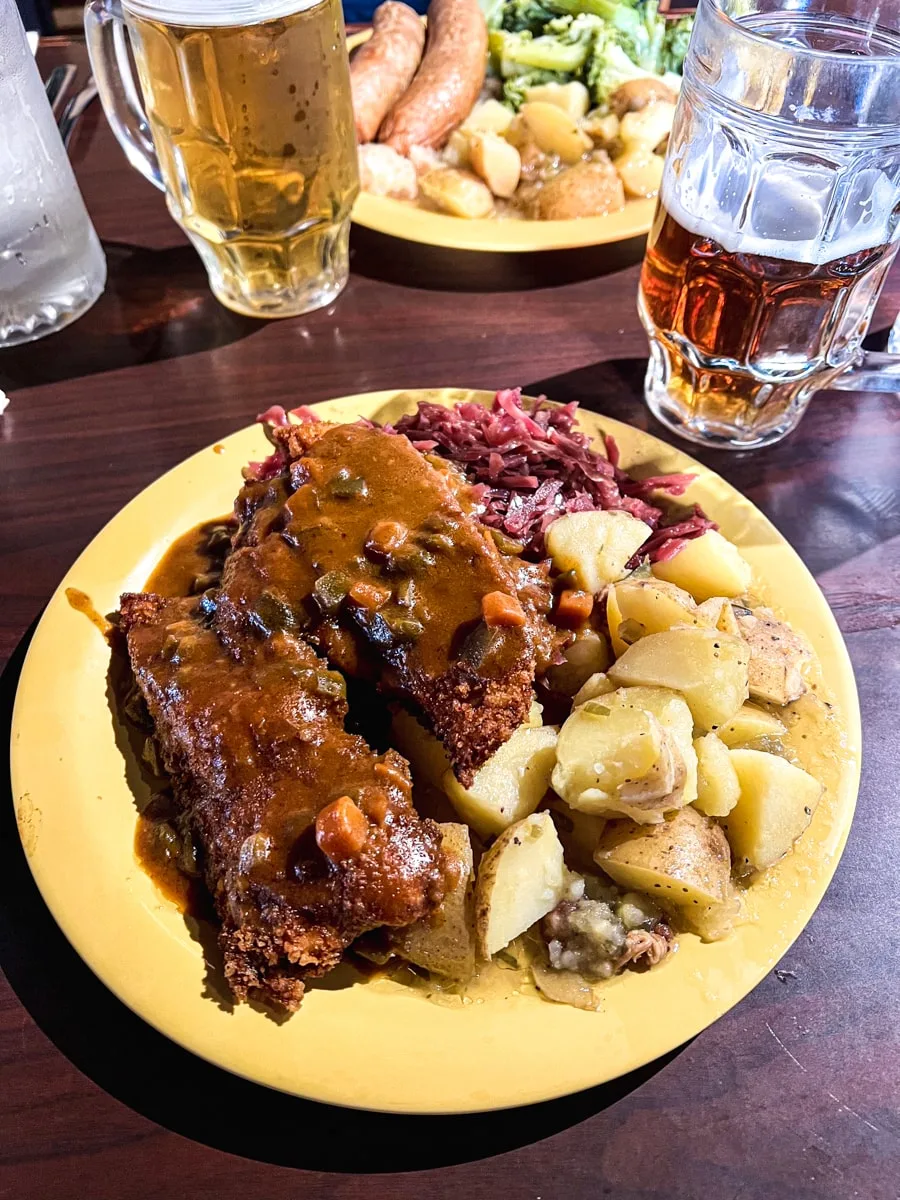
248,128
778,216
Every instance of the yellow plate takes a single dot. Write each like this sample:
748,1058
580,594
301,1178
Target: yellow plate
405,219
373,1045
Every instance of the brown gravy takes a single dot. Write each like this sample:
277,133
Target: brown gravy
186,561
82,603
152,853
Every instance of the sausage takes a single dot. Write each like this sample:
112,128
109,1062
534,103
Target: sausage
383,67
448,81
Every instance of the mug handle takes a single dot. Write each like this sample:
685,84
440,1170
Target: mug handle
107,44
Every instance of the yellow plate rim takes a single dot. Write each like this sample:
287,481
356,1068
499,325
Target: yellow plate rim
404,219
338,1048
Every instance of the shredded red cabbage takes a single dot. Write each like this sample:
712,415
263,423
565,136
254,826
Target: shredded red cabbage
275,417
528,467
532,465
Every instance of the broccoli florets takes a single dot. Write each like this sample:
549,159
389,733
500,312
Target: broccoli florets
641,32
609,68
602,42
564,48
677,36
530,15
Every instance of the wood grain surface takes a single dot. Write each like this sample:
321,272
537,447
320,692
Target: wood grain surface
791,1096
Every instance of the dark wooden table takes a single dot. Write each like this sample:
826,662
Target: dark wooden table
791,1096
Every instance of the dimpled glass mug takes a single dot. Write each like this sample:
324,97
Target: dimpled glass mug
248,128
778,216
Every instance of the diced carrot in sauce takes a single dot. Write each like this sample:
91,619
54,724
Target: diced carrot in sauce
573,608
499,609
387,536
341,830
369,595
392,775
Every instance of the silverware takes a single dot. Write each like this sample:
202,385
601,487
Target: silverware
57,85
75,108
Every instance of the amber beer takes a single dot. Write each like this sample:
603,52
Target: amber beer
746,336
253,128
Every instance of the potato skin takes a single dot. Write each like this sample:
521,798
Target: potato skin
636,94
587,189
444,942
684,862
534,843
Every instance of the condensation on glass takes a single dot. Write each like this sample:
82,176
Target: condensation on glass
52,267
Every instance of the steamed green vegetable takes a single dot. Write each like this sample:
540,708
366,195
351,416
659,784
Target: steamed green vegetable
601,43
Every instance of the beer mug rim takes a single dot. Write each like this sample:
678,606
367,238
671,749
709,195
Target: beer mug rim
213,14
824,96
727,13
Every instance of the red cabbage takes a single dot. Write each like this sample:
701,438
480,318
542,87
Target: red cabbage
533,465
528,467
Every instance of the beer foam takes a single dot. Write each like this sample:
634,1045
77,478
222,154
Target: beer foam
787,212
213,14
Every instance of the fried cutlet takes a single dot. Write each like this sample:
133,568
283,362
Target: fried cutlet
376,553
306,837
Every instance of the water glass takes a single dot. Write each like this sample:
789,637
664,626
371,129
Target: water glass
52,267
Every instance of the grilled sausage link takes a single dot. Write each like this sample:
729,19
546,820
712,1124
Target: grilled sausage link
448,81
383,67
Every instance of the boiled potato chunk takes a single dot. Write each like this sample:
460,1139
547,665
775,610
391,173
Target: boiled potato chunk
573,98
488,116
510,785
520,879
554,131
421,748
707,566
749,724
718,789
647,127
444,942
776,804
778,656
613,759
457,192
648,606
593,686
718,613
641,172
456,151
602,128
595,546
673,713
707,667
496,162
683,862
586,656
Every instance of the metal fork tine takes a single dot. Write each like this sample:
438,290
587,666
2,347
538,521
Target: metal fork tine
58,83
74,110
